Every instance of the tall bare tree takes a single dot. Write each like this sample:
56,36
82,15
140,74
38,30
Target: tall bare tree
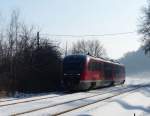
92,47
1,47
144,28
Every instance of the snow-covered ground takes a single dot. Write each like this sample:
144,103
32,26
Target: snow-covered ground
137,102
129,104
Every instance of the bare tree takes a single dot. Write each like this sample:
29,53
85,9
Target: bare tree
92,47
13,32
24,65
144,28
1,41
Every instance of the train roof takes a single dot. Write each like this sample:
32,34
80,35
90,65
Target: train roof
106,60
95,58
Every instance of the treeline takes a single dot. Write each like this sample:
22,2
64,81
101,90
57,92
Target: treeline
136,63
28,63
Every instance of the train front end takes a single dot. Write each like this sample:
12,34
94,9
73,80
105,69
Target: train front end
73,69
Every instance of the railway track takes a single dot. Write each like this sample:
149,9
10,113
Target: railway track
13,98
64,103
59,94
76,104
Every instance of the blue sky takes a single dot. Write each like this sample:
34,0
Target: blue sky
79,17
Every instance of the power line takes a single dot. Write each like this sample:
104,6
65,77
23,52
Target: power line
84,35
90,35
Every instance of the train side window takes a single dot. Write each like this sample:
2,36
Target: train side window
94,66
108,70
118,71
90,66
99,66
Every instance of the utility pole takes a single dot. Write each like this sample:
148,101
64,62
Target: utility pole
66,49
38,40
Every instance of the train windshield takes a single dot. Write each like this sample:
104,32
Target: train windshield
73,64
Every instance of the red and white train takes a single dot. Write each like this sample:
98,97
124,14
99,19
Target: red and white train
82,72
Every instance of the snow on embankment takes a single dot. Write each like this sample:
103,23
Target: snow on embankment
129,104
141,78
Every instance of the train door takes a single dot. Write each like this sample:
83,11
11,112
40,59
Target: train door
108,72
93,70
117,74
